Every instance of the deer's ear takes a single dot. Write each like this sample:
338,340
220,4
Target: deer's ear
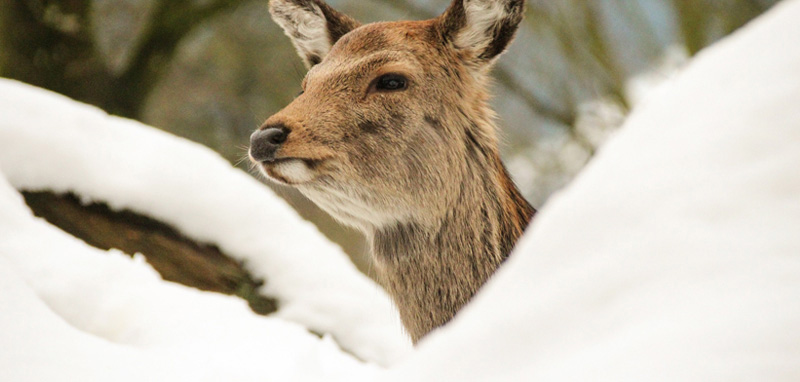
312,25
484,28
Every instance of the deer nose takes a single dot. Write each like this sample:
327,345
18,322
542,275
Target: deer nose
265,142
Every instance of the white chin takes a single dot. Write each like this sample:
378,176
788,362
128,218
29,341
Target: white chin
292,171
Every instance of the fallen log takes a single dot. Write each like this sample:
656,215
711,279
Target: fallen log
176,257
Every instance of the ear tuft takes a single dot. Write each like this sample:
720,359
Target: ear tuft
312,25
485,27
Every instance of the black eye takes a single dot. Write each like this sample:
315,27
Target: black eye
390,83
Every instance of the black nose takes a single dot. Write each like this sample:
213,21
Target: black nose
265,142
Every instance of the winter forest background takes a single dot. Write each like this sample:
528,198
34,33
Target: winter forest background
213,70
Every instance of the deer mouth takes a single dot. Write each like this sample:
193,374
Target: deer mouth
290,171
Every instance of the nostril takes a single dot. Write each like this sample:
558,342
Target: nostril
265,143
275,135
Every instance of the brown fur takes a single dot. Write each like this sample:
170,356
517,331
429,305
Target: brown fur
417,170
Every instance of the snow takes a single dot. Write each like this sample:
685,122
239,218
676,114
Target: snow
48,142
673,256
71,310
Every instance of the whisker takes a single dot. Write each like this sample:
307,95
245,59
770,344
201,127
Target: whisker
240,161
245,155
253,169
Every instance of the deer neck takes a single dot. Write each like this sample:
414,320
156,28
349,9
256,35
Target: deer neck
432,270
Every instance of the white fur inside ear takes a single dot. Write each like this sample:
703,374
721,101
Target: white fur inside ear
305,26
482,17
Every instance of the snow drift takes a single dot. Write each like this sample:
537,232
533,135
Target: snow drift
674,256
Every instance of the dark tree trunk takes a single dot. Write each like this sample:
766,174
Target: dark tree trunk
48,43
176,257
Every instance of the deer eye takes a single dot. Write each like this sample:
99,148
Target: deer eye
390,83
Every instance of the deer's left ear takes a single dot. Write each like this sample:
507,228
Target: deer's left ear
483,28
312,25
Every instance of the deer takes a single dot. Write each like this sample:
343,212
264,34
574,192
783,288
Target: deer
392,134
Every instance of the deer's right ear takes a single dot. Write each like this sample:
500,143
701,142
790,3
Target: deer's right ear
312,25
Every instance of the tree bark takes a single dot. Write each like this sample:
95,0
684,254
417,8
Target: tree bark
48,43
176,257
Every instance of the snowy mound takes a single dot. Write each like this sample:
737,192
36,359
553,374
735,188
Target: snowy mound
674,256
86,299
72,312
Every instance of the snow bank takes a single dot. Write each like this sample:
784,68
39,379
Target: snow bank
48,142
73,312
674,256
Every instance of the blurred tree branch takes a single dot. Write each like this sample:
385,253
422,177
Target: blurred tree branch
506,79
696,19
48,43
170,23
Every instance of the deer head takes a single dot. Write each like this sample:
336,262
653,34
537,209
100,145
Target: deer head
389,111
393,129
